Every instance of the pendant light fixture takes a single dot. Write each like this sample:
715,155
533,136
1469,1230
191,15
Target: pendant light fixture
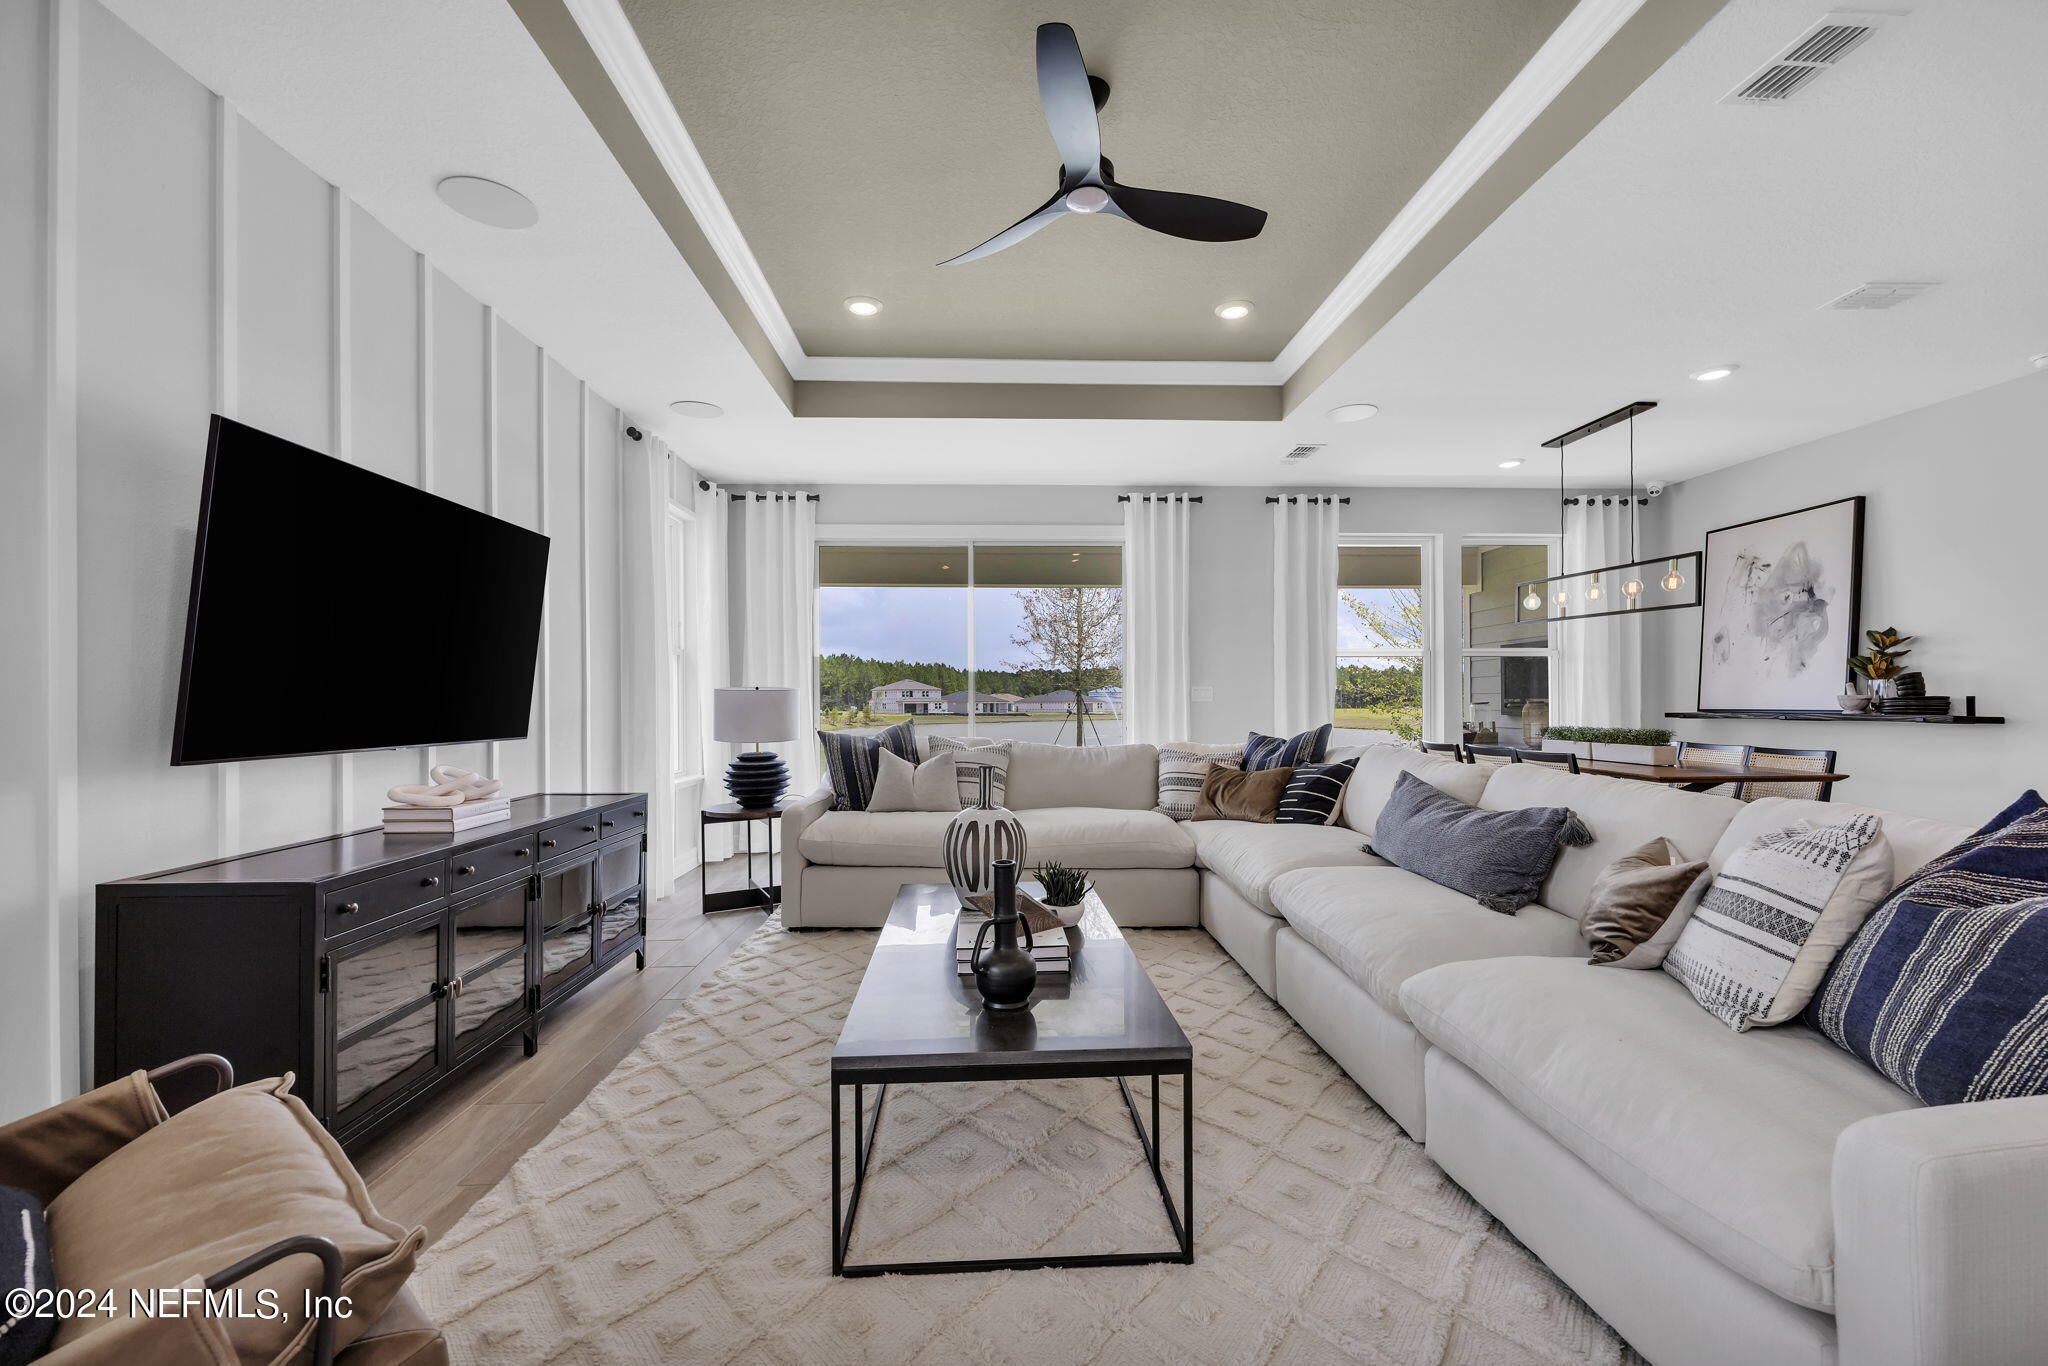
1583,593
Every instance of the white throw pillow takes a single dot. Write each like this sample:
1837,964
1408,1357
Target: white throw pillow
902,786
970,757
1183,765
1779,910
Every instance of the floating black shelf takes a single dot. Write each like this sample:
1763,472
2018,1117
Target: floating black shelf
1952,720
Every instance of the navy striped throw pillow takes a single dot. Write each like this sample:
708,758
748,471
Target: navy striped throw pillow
1314,793
851,761
1270,751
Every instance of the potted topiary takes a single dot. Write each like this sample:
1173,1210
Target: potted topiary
1617,744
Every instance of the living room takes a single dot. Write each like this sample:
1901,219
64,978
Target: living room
558,591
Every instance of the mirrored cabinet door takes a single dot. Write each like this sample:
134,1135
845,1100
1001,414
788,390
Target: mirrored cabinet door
566,915
386,1008
487,948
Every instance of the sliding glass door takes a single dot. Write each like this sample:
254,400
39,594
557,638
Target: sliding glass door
1002,640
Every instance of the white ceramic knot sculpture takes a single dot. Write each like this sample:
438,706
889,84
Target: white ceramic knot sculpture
450,787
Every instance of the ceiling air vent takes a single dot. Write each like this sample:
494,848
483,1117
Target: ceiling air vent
1881,294
1301,453
1822,46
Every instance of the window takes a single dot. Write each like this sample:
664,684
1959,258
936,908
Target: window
1506,665
984,638
1383,641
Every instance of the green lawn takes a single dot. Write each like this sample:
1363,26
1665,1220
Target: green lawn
1361,718
891,718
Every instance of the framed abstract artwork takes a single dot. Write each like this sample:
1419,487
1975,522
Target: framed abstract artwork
1779,599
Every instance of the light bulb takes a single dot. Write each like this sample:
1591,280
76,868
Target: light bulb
1534,602
1634,588
1593,589
1674,580
1563,596
1088,199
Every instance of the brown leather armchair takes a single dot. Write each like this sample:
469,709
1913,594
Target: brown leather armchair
239,1191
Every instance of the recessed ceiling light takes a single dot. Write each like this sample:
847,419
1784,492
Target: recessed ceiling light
861,306
1714,372
695,407
1354,412
1230,310
1514,463
486,201
2039,362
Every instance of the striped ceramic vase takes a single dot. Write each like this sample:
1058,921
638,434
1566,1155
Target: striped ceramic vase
977,837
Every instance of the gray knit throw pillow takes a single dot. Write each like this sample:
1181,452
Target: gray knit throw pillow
1498,858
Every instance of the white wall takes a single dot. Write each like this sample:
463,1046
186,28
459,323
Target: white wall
1232,571
1951,555
215,272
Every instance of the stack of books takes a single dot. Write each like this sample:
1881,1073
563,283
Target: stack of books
1048,950
446,820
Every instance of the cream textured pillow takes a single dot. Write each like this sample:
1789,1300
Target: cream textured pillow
901,786
1183,765
1776,915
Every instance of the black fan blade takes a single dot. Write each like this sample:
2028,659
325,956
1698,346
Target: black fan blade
1068,99
1017,231
1193,216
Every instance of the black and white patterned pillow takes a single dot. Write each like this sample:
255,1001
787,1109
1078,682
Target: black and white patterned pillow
851,761
24,1266
1270,751
1314,794
970,757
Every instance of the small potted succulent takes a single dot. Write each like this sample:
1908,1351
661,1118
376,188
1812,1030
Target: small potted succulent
1064,890
1617,744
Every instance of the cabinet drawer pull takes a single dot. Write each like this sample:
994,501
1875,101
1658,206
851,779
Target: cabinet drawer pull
351,908
522,853
639,813
607,824
467,870
547,844
590,830
430,882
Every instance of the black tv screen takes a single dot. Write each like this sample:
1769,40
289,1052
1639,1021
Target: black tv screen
334,609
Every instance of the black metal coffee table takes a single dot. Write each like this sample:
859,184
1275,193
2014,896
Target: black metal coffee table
915,1019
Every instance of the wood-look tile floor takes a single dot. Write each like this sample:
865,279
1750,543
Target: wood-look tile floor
433,1167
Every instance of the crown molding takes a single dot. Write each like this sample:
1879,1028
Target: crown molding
967,370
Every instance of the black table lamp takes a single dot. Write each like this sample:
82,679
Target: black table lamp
756,780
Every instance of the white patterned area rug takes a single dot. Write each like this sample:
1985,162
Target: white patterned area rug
681,1212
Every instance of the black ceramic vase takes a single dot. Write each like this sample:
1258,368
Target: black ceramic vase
1004,972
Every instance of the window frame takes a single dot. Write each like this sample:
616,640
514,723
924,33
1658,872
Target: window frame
970,537
1429,551
1554,545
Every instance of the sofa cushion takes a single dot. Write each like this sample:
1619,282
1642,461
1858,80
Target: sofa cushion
1914,840
1498,858
1087,838
1727,1139
972,754
1621,814
1315,794
1183,765
1233,794
1250,856
1291,751
1383,925
851,760
1633,898
1372,782
213,1184
1125,777
900,785
24,1267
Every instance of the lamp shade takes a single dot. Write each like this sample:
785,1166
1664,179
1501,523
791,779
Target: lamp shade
750,715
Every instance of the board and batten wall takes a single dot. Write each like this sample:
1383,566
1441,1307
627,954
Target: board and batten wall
172,262
1951,556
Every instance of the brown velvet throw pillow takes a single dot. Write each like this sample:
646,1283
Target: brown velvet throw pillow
1633,897
1231,794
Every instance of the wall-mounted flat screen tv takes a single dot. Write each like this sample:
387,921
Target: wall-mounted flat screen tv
334,609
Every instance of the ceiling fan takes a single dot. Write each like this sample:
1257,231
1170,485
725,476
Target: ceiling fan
1087,185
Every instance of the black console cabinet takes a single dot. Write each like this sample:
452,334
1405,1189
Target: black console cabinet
373,966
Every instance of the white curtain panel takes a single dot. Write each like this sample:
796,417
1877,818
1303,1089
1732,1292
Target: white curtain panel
710,650
779,592
1599,662
1304,612
649,722
1156,668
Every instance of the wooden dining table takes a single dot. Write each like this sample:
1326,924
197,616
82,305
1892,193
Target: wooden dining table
1700,777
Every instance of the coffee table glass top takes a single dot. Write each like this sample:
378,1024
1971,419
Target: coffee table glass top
914,1015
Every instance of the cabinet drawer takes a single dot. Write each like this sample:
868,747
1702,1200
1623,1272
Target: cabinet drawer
557,840
475,867
617,820
367,903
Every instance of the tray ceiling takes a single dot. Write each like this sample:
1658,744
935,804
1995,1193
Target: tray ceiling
858,145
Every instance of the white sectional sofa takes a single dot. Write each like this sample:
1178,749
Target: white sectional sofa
1718,1197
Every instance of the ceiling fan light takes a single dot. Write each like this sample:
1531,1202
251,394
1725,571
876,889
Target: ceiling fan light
1233,310
1088,199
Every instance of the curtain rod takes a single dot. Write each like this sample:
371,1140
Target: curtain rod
1161,497
705,484
1312,498
1608,501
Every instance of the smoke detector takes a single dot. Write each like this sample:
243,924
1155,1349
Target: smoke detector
1821,48
1881,294
1301,453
